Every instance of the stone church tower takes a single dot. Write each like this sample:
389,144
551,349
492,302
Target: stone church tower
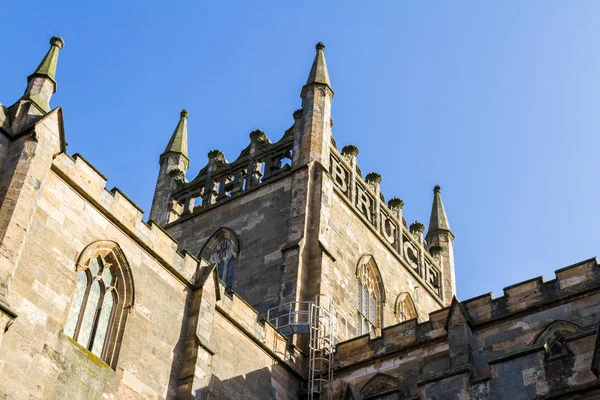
304,222
283,274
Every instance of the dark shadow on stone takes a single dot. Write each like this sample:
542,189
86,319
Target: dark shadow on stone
178,351
255,385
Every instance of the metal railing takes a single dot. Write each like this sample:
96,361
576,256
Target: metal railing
321,321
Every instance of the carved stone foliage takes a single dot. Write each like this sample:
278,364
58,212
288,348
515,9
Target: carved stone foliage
219,180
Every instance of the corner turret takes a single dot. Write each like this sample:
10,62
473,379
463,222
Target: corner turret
174,163
314,124
41,85
440,241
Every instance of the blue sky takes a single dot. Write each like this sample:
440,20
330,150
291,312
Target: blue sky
497,102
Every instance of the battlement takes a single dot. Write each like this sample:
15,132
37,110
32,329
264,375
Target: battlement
86,180
260,162
365,198
519,299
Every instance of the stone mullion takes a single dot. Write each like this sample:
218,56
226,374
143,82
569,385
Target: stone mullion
209,187
188,202
83,304
222,186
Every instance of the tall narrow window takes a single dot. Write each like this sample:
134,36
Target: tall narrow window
405,308
222,249
368,297
365,304
102,291
224,256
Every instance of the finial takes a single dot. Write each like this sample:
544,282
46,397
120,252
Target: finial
257,134
184,113
373,177
47,67
436,189
216,155
57,41
417,227
395,202
436,250
320,46
350,149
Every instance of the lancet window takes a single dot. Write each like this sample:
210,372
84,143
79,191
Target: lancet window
222,249
224,255
103,289
368,297
405,308
554,338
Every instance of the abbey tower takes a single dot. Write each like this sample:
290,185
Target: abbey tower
303,221
284,273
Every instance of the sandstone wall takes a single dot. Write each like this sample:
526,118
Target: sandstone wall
347,236
241,368
37,360
487,348
260,219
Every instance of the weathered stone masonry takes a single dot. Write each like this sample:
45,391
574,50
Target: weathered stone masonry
97,303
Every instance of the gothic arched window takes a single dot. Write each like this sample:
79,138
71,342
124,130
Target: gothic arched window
103,290
222,249
369,297
224,256
405,308
553,337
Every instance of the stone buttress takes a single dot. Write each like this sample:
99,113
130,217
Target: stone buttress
31,135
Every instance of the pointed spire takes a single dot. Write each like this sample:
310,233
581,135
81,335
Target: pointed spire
47,67
438,220
41,84
318,72
178,142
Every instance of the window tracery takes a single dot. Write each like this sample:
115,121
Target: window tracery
103,290
368,297
224,255
222,249
554,336
405,308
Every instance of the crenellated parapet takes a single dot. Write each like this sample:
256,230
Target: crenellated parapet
121,211
260,162
580,280
386,220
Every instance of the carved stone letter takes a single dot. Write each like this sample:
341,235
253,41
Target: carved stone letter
388,228
363,203
339,175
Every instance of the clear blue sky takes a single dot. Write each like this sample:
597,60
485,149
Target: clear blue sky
498,102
